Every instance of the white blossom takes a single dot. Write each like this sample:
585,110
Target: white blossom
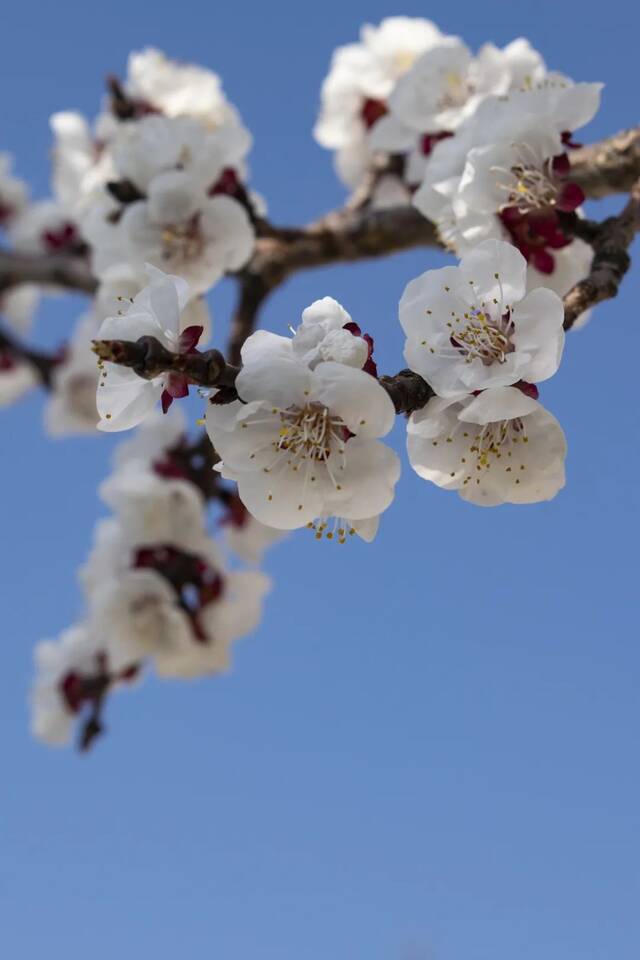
360,79
75,653
66,671
72,405
124,399
82,164
474,326
177,228
45,227
143,618
155,145
327,332
301,443
178,89
499,447
443,88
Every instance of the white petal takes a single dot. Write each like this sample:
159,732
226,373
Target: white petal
356,396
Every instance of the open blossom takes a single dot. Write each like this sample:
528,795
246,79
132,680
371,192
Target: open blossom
507,173
443,88
501,446
178,227
124,399
474,326
244,535
302,443
171,602
360,79
14,193
71,673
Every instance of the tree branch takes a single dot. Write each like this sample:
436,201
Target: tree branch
610,241
43,363
57,270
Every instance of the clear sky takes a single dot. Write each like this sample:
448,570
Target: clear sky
428,751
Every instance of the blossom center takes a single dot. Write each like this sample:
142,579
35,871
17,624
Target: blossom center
182,242
485,338
310,432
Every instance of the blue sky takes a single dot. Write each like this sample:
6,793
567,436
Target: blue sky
428,751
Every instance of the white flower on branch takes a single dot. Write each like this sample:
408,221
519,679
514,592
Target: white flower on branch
173,602
178,228
157,144
71,673
443,88
124,399
507,173
499,447
474,326
161,85
327,332
45,227
360,79
302,444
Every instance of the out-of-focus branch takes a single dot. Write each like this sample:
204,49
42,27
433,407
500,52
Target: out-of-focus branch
56,270
43,363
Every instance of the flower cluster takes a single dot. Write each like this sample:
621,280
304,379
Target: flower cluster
404,87
158,591
483,141
483,343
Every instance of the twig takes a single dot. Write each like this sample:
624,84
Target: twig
610,241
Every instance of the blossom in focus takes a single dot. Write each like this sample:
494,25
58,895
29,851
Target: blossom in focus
474,326
123,398
327,332
301,443
501,446
244,535
507,172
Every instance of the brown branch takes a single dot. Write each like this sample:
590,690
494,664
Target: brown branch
610,241
149,358
43,363
611,166
57,270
